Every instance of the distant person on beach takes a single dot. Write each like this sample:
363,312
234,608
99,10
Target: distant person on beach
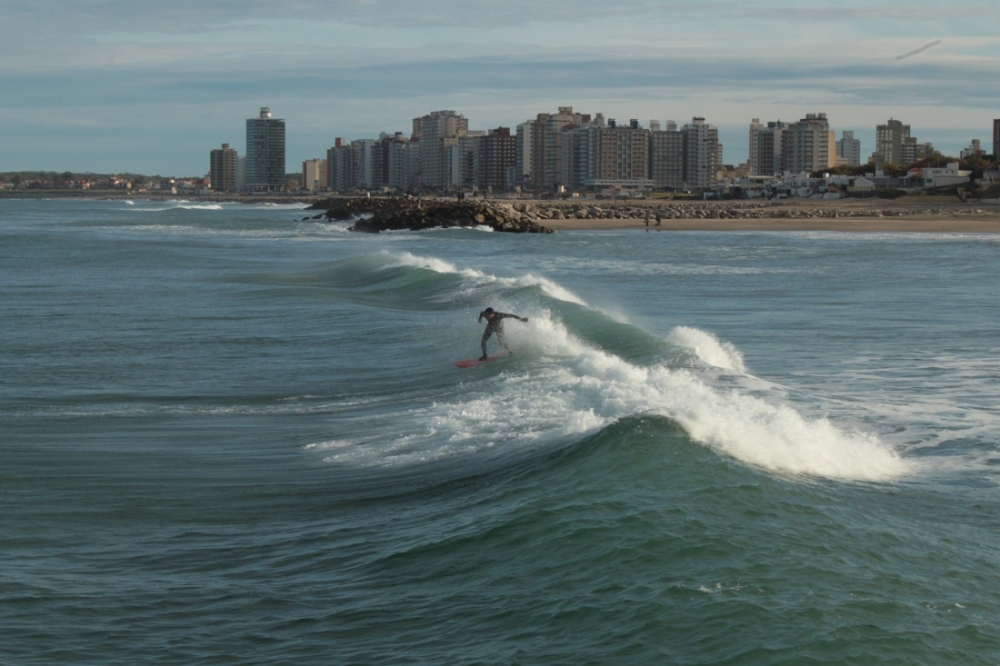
494,324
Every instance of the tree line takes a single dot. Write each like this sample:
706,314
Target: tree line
935,161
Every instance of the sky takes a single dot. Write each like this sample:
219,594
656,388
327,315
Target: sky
152,87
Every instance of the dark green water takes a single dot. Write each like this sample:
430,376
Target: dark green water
228,436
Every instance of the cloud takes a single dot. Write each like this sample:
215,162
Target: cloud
92,71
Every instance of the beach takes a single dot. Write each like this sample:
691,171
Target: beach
913,215
967,225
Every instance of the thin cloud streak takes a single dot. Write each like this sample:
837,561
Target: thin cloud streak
923,48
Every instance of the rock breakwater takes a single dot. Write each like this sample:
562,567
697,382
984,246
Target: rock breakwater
397,213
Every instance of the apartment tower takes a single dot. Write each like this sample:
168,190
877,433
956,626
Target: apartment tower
222,168
265,158
806,145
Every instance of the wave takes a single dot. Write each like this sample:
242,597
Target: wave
547,286
164,205
566,382
709,348
176,204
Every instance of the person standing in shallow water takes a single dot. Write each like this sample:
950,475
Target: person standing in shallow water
494,324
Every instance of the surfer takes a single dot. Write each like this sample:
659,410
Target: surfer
494,324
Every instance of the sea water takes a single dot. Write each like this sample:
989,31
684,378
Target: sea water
230,434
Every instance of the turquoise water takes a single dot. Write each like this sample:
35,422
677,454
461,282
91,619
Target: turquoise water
228,435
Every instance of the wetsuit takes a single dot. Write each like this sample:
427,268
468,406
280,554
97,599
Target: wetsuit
494,324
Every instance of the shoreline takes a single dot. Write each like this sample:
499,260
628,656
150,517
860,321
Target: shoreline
911,214
986,224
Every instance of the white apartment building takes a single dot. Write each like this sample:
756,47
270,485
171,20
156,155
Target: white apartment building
766,146
849,149
702,153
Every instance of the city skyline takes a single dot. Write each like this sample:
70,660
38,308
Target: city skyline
149,88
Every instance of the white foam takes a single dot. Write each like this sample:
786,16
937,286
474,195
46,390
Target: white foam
573,389
708,348
548,287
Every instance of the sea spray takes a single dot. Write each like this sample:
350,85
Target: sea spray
708,348
557,386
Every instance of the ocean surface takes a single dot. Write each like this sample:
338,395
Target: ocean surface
230,435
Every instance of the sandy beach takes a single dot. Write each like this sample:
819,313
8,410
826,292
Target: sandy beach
966,224
910,215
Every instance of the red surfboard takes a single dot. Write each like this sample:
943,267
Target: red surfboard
473,362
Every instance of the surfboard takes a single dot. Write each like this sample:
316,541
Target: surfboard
473,362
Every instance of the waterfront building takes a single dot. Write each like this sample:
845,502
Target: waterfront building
666,158
702,153
433,130
366,162
546,145
522,157
343,166
891,140
380,160
265,154
497,155
849,149
806,145
598,156
462,160
222,169
404,164
764,156
314,176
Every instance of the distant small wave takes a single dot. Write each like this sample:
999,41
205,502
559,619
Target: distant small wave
547,286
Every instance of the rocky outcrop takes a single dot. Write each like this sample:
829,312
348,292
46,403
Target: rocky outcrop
384,213
396,213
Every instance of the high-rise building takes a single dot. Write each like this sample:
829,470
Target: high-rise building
849,149
404,164
890,141
433,130
765,148
996,139
523,158
314,176
366,162
344,166
546,145
461,166
599,156
265,158
666,158
702,153
806,144
497,154
223,163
